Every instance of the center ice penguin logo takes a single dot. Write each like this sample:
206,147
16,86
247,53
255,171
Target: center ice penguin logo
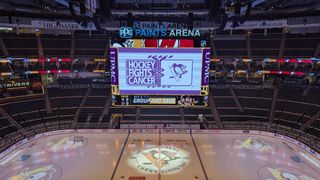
166,159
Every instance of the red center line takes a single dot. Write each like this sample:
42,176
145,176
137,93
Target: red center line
159,169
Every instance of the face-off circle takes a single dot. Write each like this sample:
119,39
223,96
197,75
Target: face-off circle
33,172
276,172
255,145
67,143
167,159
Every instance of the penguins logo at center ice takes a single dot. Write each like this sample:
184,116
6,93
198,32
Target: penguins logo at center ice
166,159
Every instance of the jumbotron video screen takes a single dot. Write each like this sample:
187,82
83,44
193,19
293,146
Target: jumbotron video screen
168,76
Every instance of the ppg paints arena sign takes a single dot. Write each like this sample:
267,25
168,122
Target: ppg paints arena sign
129,32
158,30
163,159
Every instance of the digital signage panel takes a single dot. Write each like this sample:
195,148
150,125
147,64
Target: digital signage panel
157,71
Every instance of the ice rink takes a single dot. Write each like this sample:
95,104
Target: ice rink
155,155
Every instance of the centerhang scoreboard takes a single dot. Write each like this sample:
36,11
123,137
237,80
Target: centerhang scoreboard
160,76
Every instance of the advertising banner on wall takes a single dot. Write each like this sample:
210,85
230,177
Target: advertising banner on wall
61,25
267,24
205,67
114,66
15,83
158,25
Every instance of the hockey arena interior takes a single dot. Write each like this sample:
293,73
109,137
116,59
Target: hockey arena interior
160,89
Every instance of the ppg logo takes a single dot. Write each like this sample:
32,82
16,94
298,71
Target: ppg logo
126,32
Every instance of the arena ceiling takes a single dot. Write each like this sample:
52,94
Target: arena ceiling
209,10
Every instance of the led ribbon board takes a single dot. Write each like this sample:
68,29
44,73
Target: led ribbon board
155,71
